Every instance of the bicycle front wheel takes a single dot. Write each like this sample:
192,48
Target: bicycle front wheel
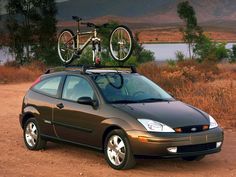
66,46
121,43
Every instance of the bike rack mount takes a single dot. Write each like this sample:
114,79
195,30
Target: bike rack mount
84,68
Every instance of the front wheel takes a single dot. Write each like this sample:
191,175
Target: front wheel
66,46
121,43
118,152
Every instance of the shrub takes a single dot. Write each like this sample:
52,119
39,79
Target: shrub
179,55
232,58
13,73
206,49
171,63
198,84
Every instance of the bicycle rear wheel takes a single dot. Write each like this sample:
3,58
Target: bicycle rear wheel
121,43
66,46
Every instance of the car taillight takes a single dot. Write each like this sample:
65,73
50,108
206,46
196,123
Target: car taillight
35,82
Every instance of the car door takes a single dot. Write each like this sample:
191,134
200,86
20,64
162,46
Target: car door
43,96
73,121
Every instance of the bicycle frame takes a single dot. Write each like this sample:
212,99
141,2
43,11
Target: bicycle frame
92,38
78,35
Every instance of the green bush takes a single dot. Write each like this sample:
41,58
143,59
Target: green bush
232,58
171,63
179,55
206,49
221,51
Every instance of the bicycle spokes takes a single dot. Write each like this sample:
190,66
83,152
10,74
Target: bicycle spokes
66,45
120,43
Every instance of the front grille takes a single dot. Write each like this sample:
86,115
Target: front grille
192,129
194,148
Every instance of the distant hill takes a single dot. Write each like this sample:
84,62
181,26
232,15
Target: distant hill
216,13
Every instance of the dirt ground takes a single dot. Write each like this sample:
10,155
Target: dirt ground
68,160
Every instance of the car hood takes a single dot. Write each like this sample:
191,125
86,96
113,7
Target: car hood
174,113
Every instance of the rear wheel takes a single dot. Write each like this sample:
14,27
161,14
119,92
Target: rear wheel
32,138
193,158
121,43
66,46
118,153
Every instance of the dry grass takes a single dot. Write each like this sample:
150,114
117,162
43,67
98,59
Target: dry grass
207,86
15,74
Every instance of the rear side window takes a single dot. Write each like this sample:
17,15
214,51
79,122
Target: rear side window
48,86
76,87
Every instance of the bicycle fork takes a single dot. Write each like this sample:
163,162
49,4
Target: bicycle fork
96,46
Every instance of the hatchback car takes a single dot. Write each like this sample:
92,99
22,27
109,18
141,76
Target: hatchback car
121,113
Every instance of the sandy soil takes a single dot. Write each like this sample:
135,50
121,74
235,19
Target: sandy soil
68,160
174,35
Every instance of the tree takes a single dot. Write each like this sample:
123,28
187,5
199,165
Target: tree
31,26
206,49
0,23
20,27
46,50
232,58
191,30
140,53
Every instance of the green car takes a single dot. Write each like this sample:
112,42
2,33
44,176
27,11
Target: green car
119,112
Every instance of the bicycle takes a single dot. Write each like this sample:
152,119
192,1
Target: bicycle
120,42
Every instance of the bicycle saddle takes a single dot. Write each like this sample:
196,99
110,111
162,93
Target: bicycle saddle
76,18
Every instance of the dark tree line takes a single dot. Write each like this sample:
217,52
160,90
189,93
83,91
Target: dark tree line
31,26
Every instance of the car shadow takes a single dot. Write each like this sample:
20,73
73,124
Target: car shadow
151,164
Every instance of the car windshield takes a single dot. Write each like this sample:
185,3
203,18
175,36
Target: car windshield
129,88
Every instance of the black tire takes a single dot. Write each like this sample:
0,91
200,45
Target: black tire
193,158
129,52
39,143
129,160
70,58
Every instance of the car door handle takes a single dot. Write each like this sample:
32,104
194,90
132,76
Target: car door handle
60,105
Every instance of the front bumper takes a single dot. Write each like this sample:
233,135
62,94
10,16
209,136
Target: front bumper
188,144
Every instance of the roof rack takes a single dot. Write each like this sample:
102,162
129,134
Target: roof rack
83,68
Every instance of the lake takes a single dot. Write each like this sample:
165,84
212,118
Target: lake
167,51
5,55
161,51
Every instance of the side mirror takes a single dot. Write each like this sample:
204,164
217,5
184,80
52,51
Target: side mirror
88,101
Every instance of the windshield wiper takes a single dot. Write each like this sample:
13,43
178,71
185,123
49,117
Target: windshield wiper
124,101
153,100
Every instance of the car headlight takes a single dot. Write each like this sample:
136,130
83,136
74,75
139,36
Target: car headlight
154,126
213,123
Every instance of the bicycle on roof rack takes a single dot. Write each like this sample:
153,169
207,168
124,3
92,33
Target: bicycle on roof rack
69,45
